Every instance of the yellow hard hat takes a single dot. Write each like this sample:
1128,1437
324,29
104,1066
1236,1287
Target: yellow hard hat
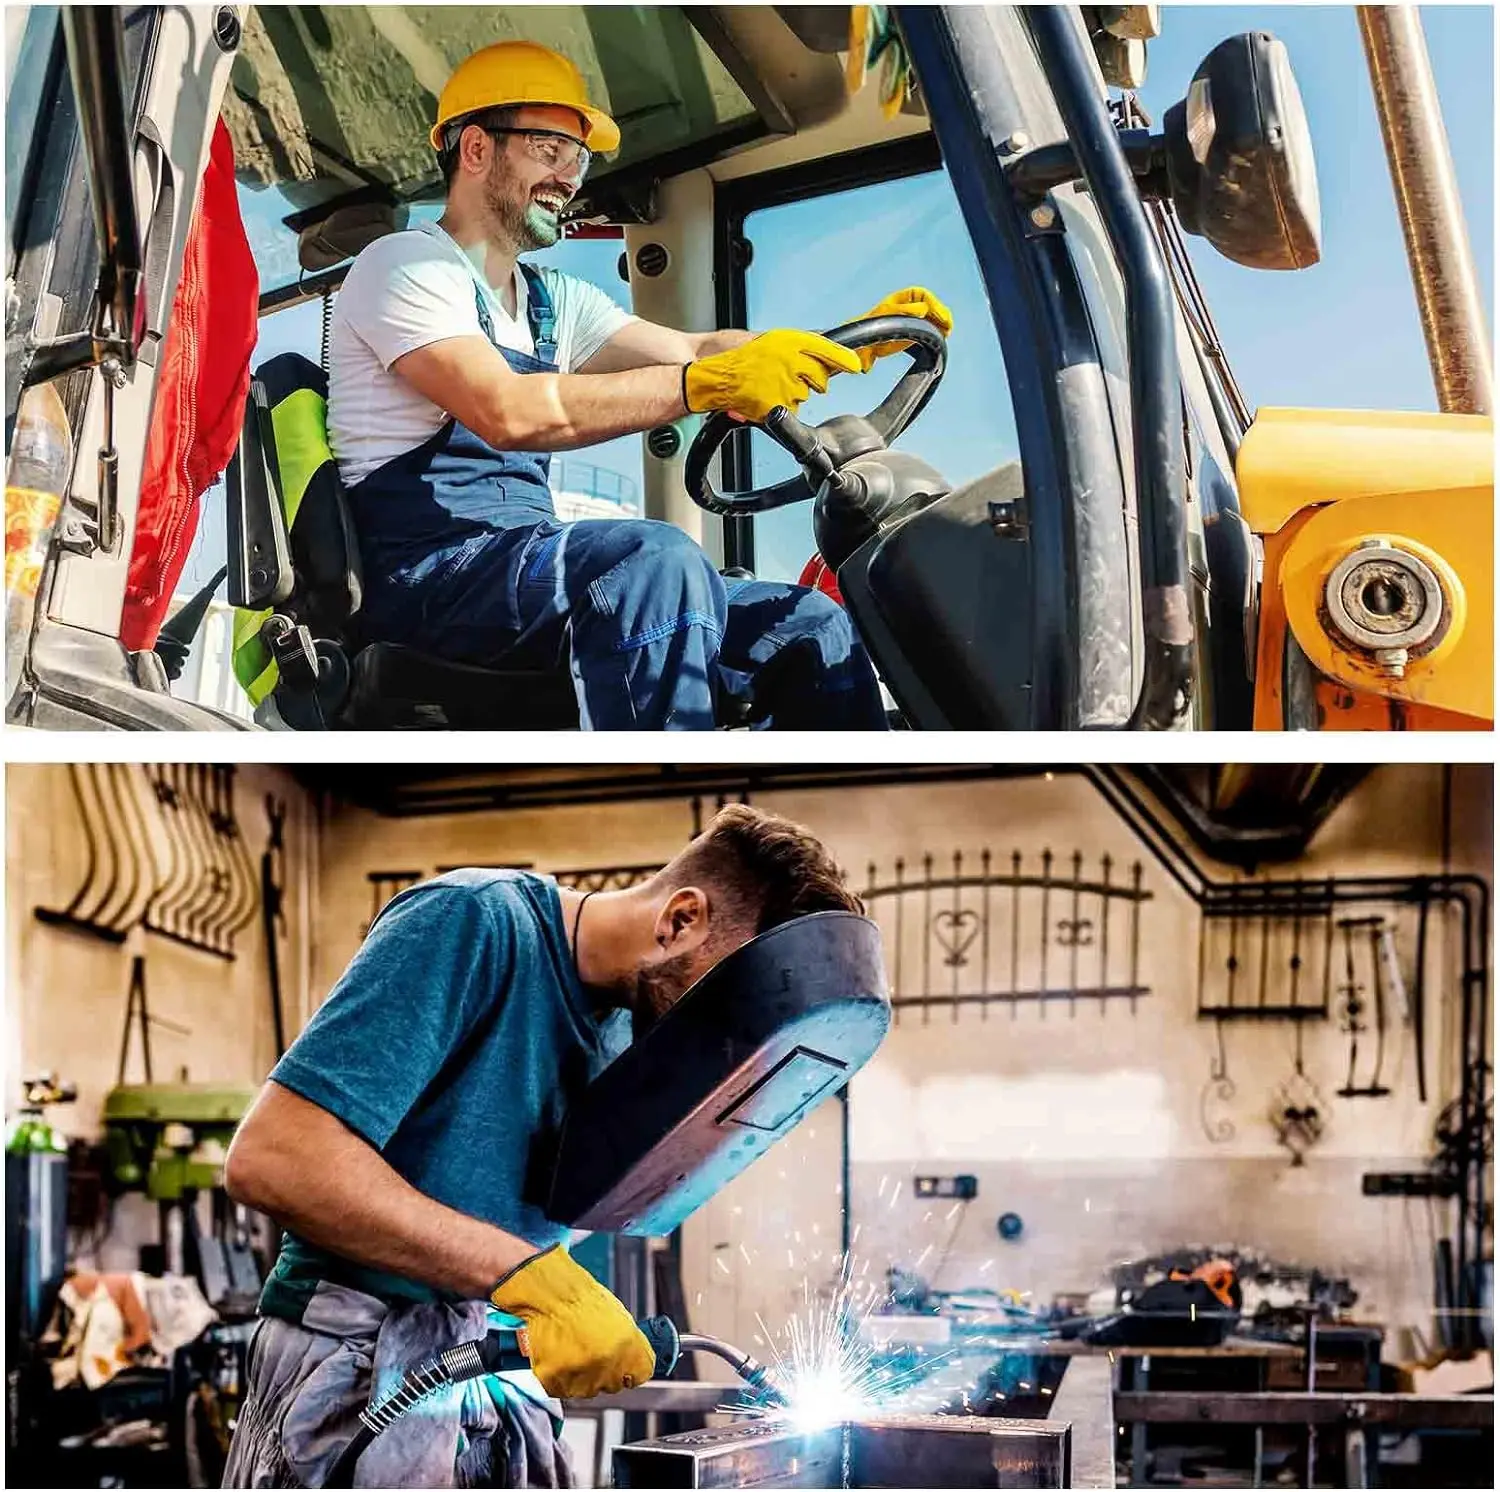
521,72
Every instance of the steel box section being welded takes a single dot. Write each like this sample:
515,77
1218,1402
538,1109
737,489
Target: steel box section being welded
909,1451
769,1032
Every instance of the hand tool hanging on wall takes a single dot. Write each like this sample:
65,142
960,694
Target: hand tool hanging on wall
198,894
246,898
119,874
1356,1010
1417,1004
205,895
137,1012
273,915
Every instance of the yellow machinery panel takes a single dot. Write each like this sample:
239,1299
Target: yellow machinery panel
1379,561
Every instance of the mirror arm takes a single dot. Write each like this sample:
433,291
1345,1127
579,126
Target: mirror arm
1038,171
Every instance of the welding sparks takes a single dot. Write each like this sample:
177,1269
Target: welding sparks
745,1253
719,1260
826,1364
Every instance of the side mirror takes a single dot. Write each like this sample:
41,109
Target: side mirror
1240,161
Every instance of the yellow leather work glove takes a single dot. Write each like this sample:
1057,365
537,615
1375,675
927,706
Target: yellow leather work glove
914,301
750,380
580,1339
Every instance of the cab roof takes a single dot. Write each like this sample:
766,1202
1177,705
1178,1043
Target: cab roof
330,105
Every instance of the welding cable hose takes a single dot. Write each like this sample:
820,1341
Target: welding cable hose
492,1353
495,1353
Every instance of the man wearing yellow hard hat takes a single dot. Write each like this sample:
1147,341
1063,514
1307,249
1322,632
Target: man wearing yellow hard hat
455,373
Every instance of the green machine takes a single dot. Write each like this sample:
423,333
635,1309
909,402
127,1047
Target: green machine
170,1140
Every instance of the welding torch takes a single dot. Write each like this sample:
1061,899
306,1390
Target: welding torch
494,1353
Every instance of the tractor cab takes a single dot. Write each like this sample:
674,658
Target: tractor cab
1063,516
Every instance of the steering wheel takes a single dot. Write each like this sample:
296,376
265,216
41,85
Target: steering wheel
822,450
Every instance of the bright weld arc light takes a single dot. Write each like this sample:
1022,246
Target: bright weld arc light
826,1368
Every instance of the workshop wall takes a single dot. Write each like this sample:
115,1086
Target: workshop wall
67,990
1098,1125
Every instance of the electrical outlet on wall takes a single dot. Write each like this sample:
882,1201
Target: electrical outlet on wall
964,1188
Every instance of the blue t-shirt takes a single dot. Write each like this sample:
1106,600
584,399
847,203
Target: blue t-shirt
453,1038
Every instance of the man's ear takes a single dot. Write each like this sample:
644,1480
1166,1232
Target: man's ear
682,923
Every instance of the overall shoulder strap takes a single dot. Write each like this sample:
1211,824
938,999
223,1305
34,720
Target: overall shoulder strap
541,314
486,323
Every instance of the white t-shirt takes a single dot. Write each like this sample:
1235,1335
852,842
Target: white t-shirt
416,287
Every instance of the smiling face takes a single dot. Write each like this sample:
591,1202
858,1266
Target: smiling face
524,195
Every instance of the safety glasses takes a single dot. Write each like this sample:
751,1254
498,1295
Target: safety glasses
555,150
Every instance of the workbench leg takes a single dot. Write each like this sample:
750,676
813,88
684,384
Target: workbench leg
1356,1469
1140,1381
1260,1450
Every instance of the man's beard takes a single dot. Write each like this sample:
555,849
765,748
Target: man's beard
526,224
656,989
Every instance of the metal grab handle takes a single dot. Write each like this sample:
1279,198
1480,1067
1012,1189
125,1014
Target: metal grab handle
1155,387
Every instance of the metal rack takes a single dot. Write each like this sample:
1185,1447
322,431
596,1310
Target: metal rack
163,851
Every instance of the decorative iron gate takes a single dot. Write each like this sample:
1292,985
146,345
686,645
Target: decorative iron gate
1003,932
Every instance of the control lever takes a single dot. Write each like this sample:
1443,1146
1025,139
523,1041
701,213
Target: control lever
803,442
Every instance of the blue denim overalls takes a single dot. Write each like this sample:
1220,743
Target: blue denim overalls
464,558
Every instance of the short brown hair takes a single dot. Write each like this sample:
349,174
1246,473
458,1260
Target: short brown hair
502,118
765,869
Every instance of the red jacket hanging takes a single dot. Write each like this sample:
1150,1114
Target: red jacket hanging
200,395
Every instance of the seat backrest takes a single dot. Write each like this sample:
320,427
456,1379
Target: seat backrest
293,546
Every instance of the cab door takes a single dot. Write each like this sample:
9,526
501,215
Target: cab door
173,68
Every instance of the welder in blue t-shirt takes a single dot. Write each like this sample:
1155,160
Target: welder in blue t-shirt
391,1144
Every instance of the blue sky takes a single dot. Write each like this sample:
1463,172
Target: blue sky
1342,334
1345,332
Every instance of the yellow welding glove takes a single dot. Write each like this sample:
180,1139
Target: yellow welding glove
580,1339
916,302
750,380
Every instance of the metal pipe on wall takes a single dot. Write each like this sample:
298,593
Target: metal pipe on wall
1428,204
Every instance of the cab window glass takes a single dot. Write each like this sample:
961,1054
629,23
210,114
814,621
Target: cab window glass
30,36
829,259
604,480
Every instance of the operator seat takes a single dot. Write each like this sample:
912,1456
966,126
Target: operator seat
295,577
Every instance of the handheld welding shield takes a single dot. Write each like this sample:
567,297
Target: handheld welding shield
770,1031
